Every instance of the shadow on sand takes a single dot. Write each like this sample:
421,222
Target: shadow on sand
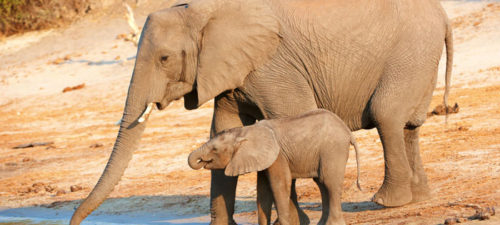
176,209
173,210
346,206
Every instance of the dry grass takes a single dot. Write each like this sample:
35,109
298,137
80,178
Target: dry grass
18,16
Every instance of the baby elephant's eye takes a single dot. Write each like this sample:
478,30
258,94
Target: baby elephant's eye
164,58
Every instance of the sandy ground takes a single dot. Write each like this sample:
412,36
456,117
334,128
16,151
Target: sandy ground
462,158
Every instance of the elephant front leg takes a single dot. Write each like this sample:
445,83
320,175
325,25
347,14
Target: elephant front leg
395,191
280,180
264,199
419,187
222,198
223,188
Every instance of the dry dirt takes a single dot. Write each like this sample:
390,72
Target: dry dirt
44,183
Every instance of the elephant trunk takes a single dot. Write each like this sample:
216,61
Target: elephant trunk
126,142
194,159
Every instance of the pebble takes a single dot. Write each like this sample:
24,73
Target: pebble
450,221
60,192
96,145
74,188
27,159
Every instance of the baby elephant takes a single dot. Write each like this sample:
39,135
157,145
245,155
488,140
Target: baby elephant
312,145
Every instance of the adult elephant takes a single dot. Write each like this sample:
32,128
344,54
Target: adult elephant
373,63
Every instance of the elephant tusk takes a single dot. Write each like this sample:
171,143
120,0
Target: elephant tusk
145,114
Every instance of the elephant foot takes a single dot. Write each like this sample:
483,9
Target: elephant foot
393,195
303,219
420,192
297,215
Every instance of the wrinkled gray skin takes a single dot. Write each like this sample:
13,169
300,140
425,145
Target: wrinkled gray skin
373,63
311,145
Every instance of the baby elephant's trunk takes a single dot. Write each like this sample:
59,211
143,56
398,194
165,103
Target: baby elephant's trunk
194,159
356,149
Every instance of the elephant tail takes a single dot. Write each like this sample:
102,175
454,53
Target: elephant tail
356,150
449,65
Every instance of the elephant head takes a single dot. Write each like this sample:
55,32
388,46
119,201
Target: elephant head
238,151
194,51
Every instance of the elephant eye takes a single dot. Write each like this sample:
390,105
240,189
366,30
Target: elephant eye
164,58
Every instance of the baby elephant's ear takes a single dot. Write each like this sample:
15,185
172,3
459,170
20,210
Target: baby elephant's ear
258,149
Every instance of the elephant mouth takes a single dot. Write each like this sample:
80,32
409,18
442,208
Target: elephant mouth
162,105
205,163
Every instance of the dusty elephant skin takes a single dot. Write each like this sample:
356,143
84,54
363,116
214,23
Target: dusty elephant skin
312,145
374,66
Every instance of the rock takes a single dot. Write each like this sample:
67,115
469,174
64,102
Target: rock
484,216
96,145
33,144
10,164
75,188
38,184
121,36
37,187
451,221
441,110
49,188
34,189
27,159
483,213
57,61
67,57
60,192
24,190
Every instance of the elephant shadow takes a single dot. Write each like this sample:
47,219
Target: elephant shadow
346,206
161,209
172,209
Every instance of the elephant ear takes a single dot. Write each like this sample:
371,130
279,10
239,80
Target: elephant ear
258,150
237,37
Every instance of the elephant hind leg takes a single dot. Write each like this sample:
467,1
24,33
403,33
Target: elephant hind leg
296,213
390,111
331,177
396,189
399,105
419,187
325,201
